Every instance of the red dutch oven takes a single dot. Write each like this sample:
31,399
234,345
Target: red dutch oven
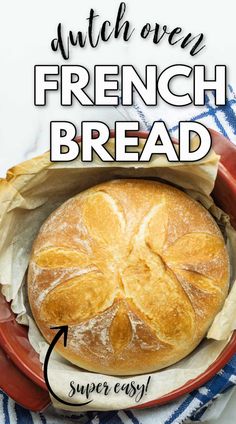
21,375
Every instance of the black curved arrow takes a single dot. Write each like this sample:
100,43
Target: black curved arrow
63,330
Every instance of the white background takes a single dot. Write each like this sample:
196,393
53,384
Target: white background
27,28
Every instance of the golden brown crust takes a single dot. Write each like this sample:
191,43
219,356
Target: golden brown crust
137,269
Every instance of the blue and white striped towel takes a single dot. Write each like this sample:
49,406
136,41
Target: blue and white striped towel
191,407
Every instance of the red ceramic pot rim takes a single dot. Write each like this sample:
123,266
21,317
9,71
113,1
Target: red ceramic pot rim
10,330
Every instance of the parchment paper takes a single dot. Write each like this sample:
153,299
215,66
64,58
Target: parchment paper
31,191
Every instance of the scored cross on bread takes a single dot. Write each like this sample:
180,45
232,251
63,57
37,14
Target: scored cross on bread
137,269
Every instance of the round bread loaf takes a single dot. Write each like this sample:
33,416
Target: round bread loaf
137,270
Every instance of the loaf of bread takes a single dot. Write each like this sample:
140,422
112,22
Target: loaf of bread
137,269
